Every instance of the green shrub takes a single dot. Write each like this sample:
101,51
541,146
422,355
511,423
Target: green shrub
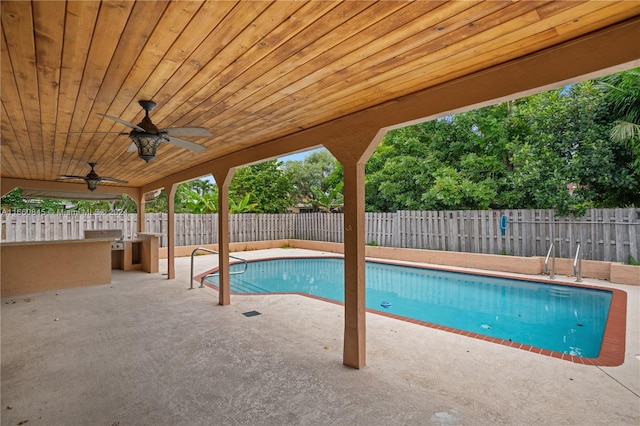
632,261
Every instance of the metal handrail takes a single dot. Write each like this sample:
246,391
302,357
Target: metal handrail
552,275
215,273
577,265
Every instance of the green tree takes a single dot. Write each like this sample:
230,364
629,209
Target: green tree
567,142
199,196
517,154
622,90
158,205
200,203
242,206
268,185
452,191
312,172
400,169
13,200
328,201
424,166
124,205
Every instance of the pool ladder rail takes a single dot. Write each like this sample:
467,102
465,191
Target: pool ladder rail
577,263
552,253
215,274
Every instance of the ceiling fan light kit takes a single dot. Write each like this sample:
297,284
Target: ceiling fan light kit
147,144
148,140
92,179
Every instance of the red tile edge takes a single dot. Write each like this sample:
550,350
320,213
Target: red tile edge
613,340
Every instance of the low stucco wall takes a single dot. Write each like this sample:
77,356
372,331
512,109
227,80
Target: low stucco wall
183,251
32,267
625,274
524,265
41,266
614,272
491,262
590,268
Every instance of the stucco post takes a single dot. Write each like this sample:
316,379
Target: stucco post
140,202
171,233
353,150
223,178
354,350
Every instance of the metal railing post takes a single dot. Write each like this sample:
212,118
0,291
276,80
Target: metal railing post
577,265
215,273
552,253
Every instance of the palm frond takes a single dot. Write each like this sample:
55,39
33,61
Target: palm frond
624,131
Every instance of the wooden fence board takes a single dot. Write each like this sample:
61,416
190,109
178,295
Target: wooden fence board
604,234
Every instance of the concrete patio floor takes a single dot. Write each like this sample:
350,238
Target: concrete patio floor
144,350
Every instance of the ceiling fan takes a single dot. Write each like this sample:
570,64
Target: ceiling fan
146,136
93,179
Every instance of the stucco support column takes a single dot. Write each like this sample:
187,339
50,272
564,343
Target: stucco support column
354,350
171,231
353,151
140,204
223,178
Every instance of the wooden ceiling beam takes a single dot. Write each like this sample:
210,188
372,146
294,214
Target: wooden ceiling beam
8,184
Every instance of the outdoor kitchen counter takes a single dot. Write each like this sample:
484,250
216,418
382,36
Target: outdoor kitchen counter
28,267
138,254
47,265
35,243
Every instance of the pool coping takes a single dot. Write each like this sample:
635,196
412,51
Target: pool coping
612,350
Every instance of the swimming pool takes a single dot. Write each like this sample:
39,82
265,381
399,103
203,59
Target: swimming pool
558,318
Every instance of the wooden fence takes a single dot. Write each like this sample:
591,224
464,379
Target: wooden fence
604,234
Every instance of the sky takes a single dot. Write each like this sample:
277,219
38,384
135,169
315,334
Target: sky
299,156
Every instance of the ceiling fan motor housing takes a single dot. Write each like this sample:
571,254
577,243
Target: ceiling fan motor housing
147,105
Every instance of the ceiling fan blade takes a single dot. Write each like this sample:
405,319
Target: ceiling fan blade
132,148
94,133
71,177
187,131
121,121
185,144
114,180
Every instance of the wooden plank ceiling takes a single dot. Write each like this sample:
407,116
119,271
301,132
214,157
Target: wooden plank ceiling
247,71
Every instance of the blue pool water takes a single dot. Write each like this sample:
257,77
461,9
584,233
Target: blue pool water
559,318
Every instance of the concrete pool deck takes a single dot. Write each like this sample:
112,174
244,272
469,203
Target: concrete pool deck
146,351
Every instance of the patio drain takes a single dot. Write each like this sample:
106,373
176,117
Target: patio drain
251,313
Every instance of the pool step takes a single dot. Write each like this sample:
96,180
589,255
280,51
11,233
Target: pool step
559,292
